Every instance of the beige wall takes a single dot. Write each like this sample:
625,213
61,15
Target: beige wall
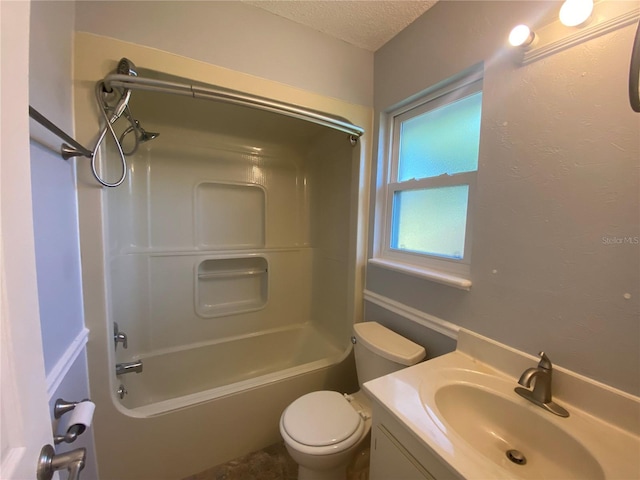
238,37
558,177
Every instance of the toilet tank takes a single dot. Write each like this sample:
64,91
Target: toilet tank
380,351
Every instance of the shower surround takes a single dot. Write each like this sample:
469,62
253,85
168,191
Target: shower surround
229,257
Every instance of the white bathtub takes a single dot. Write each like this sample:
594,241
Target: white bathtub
176,378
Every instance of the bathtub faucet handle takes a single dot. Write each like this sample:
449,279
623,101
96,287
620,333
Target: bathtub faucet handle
119,337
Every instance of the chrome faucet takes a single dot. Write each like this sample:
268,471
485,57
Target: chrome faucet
118,336
129,367
541,393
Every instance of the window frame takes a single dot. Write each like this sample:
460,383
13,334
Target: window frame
455,272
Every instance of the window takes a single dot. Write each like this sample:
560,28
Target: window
431,166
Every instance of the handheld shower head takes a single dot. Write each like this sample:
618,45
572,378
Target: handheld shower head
125,67
121,106
102,91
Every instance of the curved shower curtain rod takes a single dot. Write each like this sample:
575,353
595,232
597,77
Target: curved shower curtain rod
234,97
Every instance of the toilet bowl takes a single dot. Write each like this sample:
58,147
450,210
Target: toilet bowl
323,430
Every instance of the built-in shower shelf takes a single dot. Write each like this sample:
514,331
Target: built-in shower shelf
232,273
228,286
233,308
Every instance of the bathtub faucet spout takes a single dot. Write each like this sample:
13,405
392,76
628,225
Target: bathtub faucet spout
128,367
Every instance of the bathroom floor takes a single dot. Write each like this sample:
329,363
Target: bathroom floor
274,463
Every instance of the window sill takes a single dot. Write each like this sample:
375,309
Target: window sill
423,272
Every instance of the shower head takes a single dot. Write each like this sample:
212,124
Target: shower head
140,135
125,67
146,136
143,135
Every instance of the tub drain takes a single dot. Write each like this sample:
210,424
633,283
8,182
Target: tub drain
516,456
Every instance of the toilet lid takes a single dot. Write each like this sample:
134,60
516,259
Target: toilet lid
320,419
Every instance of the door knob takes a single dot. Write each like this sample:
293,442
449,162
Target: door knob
49,462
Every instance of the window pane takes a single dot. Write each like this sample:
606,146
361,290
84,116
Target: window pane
443,140
431,221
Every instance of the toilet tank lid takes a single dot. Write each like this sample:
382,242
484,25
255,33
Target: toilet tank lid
388,344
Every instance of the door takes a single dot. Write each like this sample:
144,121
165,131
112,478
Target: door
390,460
25,423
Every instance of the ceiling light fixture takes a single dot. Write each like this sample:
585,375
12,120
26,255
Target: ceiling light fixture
575,12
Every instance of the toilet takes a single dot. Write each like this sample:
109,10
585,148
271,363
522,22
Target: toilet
323,430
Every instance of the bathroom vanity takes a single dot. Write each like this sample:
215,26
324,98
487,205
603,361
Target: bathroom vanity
396,454
458,416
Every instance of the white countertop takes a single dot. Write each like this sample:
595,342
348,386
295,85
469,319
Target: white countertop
408,394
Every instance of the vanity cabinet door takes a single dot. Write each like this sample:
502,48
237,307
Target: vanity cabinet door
391,461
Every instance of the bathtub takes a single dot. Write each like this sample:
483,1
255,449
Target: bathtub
237,311
176,378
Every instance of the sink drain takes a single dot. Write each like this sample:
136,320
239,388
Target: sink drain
516,456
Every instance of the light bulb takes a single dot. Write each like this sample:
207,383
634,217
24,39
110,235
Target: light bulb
575,12
521,35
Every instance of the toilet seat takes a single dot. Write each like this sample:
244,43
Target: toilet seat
321,423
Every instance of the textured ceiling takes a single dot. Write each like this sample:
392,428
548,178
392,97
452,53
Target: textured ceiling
367,24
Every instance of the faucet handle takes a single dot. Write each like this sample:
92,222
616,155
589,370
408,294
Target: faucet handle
544,361
118,336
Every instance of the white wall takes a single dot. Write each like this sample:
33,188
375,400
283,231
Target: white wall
55,213
558,175
239,37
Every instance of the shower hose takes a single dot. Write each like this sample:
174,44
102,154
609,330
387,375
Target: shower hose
119,110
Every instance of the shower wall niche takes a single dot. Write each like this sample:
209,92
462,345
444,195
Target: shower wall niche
233,222
226,286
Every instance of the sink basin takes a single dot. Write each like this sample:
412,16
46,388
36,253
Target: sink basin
462,408
495,425
493,420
